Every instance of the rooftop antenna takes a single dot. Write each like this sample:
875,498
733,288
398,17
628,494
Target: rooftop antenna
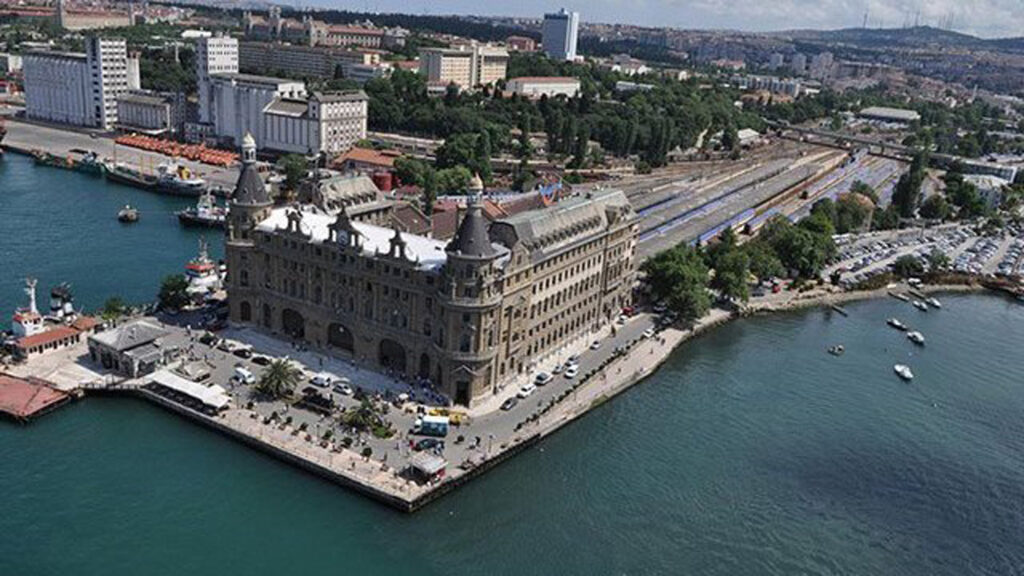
865,24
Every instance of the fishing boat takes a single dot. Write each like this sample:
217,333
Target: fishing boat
128,214
920,306
916,337
120,172
896,324
206,213
903,371
178,180
203,274
836,350
934,303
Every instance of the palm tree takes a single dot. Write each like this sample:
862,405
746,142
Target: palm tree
279,379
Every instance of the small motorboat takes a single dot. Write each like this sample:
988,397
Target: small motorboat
916,337
920,306
896,324
128,214
934,303
836,350
903,371
902,297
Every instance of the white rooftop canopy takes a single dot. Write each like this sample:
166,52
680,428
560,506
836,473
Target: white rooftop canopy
212,395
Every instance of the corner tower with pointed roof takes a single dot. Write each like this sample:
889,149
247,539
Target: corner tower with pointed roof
250,204
471,297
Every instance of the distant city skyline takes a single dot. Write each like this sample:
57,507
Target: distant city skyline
984,18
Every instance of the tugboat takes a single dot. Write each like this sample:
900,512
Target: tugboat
206,212
916,338
903,371
896,324
203,274
128,215
178,180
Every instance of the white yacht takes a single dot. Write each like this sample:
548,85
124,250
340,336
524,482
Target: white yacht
903,371
934,303
920,306
916,337
895,323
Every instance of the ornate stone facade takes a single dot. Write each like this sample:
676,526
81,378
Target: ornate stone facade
469,315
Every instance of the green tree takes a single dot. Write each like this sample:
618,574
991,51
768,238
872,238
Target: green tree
113,308
173,292
295,167
937,260
279,379
764,263
907,266
411,171
454,180
680,277
935,207
430,187
851,214
731,273
865,189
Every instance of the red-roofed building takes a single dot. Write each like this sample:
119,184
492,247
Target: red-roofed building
367,160
53,339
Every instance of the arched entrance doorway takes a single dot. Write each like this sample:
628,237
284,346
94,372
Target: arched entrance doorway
392,355
424,371
340,337
293,324
245,312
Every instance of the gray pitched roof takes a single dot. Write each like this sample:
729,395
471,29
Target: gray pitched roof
472,238
130,335
250,188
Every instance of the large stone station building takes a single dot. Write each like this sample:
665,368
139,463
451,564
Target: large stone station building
469,314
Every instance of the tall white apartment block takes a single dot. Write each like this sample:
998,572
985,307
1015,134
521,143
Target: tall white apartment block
559,34
214,55
79,89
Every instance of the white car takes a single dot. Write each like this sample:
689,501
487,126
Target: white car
542,378
595,345
572,371
649,333
343,388
321,380
526,390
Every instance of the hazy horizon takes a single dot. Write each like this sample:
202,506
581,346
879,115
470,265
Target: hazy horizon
984,18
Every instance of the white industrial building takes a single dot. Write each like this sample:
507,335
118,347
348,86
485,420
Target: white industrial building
323,122
559,34
214,55
151,112
466,66
79,89
279,113
550,86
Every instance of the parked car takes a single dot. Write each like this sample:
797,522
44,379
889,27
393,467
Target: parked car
243,376
558,369
321,380
526,390
428,444
244,353
509,403
225,346
572,371
208,339
261,360
542,378
343,388
595,344
649,333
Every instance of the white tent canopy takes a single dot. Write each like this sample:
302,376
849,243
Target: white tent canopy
213,395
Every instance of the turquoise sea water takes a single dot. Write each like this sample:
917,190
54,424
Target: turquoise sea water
61,226
751,451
